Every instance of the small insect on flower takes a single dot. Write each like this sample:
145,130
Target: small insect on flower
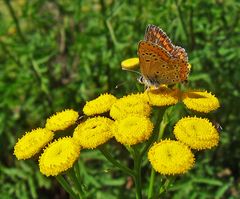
161,62
81,117
217,126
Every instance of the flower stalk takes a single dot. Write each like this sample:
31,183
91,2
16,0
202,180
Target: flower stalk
137,171
116,163
76,182
162,127
66,186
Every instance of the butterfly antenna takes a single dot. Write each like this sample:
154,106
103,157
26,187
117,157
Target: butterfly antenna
132,71
118,85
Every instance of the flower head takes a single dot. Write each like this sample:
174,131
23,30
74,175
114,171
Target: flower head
200,101
133,129
197,133
131,63
130,105
93,132
162,96
62,120
171,157
59,156
32,142
99,105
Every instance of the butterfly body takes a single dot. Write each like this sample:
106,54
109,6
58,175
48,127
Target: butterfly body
160,61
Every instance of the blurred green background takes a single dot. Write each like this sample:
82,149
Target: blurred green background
58,54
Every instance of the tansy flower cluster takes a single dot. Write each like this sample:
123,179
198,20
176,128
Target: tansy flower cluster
170,157
129,121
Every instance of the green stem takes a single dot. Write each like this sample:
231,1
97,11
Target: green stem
163,125
15,19
150,189
137,170
153,137
76,182
111,31
77,172
109,157
66,186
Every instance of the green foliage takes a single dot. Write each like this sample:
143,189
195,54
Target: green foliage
57,54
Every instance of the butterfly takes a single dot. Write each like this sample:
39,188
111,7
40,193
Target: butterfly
161,62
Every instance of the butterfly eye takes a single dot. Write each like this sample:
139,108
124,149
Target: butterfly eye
141,79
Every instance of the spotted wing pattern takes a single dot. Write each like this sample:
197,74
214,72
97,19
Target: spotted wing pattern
157,65
161,62
157,36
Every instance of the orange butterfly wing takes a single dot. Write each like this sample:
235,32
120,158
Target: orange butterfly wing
161,62
157,36
157,65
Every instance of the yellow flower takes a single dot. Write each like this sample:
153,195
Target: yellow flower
130,105
131,63
197,133
59,156
32,142
162,96
99,105
200,101
62,120
93,132
133,129
171,157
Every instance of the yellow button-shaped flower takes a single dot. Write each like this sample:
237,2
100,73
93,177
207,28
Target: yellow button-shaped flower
171,157
32,142
59,156
200,101
99,105
197,133
133,129
62,120
162,96
131,63
93,132
134,104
